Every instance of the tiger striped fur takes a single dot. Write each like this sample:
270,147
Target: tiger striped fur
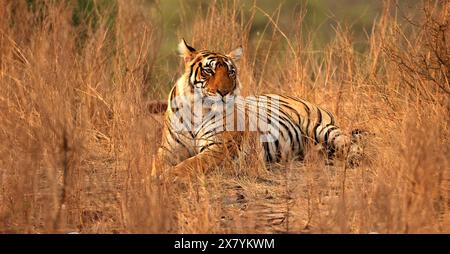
290,123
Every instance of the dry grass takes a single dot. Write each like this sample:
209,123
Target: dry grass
77,142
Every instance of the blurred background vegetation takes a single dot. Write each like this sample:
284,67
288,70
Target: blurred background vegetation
321,17
318,22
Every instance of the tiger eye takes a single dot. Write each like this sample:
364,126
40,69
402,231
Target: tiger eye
207,72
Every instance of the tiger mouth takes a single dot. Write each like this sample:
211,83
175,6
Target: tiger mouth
217,99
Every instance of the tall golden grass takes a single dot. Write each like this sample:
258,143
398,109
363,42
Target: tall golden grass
77,141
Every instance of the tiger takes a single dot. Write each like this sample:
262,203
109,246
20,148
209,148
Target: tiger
201,137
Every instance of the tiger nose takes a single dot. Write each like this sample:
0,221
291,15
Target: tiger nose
223,92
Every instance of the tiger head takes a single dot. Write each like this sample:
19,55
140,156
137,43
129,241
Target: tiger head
212,73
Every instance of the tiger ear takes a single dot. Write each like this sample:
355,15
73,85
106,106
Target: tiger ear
236,53
186,51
